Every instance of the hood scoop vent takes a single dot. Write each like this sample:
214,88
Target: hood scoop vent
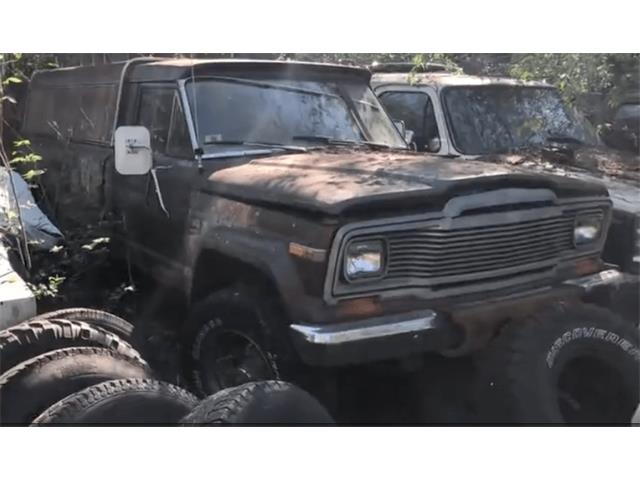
507,199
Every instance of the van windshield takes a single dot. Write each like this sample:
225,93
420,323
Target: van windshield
229,111
502,118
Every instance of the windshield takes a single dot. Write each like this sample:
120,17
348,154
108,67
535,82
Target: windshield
500,118
287,112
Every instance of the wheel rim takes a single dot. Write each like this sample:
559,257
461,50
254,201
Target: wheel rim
233,358
591,390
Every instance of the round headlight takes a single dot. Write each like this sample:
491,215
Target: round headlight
364,259
587,230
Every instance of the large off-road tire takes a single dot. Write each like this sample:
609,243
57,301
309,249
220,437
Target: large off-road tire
268,402
567,364
29,388
122,402
232,338
108,321
36,337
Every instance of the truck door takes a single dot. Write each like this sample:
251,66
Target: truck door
156,215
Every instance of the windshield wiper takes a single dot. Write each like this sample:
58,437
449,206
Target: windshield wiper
336,141
290,148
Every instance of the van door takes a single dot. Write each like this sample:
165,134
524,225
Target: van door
156,210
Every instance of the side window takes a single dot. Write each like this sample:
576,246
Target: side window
155,114
417,112
52,111
179,143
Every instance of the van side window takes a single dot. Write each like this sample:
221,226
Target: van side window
51,112
155,114
416,110
94,119
179,143
81,113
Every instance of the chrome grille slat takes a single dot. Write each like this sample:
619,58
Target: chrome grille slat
543,251
462,235
414,246
463,266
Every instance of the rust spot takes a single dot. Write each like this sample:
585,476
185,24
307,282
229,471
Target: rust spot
302,251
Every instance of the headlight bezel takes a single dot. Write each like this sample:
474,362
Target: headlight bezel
582,224
365,246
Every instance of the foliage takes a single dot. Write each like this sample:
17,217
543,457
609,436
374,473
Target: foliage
24,156
445,59
577,74
50,289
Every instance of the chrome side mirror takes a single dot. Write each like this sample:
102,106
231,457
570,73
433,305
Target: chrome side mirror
433,145
132,147
408,136
401,127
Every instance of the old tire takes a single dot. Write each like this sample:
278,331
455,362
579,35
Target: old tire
124,401
567,364
36,337
230,340
108,321
268,402
29,388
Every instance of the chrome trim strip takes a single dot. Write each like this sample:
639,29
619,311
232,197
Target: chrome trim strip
186,108
364,330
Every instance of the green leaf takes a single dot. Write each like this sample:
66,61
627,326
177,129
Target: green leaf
31,174
21,143
9,80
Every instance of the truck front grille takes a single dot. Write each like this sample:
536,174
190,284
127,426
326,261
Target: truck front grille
436,254
472,253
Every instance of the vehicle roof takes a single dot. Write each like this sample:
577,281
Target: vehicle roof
169,69
445,79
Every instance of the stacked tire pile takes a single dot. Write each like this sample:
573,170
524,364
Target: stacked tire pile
77,366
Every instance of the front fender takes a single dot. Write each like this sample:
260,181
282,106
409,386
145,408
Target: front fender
268,255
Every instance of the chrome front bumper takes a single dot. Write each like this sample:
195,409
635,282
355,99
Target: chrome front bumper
373,339
367,329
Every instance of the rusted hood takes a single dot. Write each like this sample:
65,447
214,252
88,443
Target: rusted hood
335,181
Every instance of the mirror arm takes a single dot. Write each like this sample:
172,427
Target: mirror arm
156,184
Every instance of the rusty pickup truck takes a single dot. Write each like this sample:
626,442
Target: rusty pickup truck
284,204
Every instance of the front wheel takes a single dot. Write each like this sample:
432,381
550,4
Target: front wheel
567,364
231,340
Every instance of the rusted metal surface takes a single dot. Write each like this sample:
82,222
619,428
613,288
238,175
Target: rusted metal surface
334,181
